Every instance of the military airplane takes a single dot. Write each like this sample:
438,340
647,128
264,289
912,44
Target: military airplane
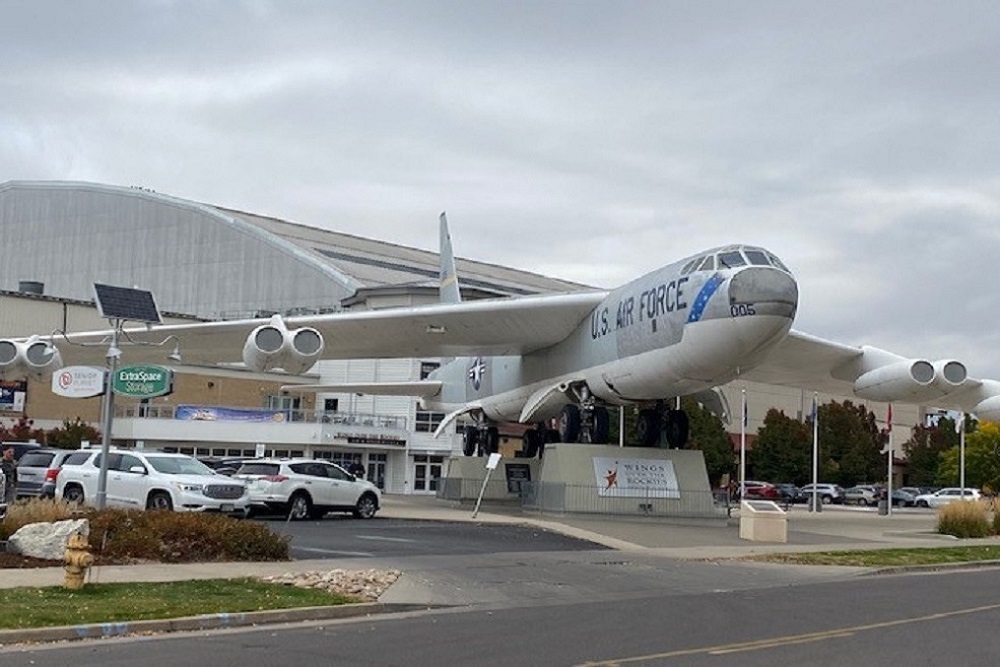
681,330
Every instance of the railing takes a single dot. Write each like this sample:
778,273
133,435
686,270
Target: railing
585,499
134,411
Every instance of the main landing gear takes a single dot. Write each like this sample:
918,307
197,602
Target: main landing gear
673,424
480,440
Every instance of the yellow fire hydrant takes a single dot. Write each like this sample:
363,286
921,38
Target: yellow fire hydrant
78,560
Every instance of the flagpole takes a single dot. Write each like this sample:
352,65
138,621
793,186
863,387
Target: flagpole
814,505
888,478
743,442
961,454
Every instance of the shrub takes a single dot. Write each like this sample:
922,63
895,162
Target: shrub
965,518
128,536
34,510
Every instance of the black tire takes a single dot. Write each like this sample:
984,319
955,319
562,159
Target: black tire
677,428
922,503
366,507
531,442
600,428
826,500
159,500
569,423
73,494
648,428
491,444
299,506
470,439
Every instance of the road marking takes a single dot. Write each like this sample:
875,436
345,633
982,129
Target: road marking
362,554
837,633
383,539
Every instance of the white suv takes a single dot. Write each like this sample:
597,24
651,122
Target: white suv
304,488
942,497
151,480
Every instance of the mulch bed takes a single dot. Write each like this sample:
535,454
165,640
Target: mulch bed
13,561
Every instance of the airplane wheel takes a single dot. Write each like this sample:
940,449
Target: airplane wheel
470,438
600,427
648,428
677,428
531,442
492,444
569,423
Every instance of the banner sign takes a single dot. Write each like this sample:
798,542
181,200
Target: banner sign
143,381
214,413
12,395
635,478
78,382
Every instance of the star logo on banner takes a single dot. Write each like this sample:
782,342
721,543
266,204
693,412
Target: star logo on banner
476,372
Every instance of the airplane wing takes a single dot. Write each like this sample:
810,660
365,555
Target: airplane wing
470,328
815,364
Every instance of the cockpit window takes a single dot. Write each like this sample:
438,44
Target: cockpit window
777,262
756,257
707,264
729,260
689,267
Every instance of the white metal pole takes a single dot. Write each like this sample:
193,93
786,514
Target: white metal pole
961,454
743,443
108,418
888,477
815,416
621,426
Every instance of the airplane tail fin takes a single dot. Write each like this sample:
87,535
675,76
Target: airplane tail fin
449,277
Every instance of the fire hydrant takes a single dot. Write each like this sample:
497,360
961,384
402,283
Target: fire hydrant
78,560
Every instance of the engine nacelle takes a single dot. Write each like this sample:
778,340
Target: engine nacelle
989,409
272,346
34,358
894,382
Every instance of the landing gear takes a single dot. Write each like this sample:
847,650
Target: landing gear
531,443
480,440
470,440
569,423
491,443
673,424
599,428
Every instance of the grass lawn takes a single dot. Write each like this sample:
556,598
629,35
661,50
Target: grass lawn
102,603
890,557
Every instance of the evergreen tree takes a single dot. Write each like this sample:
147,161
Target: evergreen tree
782,451
709,435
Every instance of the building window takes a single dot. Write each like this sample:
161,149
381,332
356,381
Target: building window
427,367
428,421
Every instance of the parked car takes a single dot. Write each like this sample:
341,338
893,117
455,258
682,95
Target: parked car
944,496
151,480
790,493
828,493
307,488
904,497
37,470
861,495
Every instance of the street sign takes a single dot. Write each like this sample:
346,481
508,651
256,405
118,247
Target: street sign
143,381
78,382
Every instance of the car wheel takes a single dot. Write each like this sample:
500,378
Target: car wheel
826,500
159,501
299,507
73,494
366,507
922,503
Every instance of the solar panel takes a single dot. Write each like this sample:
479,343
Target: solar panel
126,303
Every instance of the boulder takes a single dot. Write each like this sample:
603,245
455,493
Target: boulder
46,540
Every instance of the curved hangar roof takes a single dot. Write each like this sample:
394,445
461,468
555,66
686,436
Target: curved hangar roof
206,260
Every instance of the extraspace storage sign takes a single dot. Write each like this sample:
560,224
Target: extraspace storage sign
143,381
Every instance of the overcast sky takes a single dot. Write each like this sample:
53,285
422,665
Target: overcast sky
592,141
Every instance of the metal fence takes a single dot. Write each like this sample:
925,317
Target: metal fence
562,498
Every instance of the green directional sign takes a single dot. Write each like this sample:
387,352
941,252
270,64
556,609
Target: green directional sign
143,381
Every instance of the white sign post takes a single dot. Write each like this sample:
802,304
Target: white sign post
491,465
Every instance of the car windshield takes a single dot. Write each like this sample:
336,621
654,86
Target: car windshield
176,465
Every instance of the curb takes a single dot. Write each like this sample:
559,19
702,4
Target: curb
934,567
191,623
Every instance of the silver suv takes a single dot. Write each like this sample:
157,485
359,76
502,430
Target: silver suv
151,480
310,488
828,493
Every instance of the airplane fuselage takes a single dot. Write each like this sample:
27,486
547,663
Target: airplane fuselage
672,332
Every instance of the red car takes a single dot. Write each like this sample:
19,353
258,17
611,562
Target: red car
762,490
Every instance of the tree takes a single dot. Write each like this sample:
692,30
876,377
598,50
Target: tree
709,435
71,434
850,444
923,451
782,450
982,465
22,430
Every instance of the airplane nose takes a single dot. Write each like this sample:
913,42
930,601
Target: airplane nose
770,291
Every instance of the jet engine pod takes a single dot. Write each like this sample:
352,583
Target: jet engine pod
272,346
950,374
989,409
895,382
35,359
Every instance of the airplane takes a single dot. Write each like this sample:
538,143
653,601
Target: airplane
684,329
